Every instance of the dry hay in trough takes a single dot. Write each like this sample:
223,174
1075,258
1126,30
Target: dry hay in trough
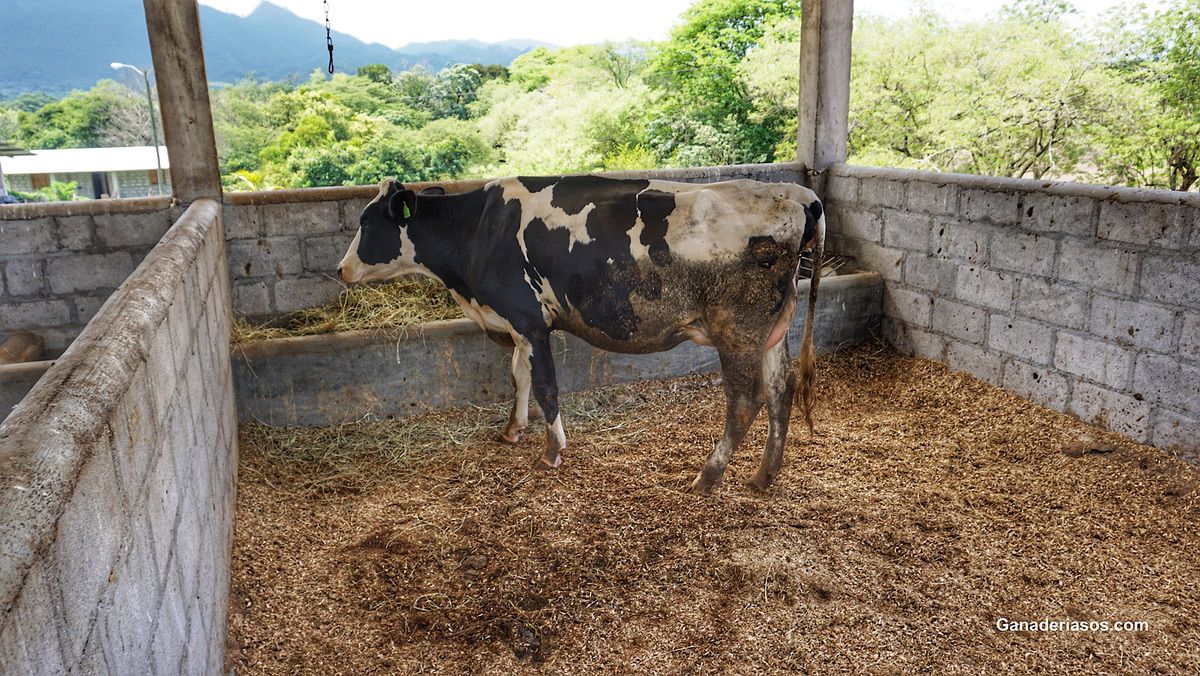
928,506
393,305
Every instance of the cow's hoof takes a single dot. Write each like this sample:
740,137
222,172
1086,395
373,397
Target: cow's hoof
549,460
701,487
507,437
761,481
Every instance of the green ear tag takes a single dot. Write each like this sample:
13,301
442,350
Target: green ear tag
407,213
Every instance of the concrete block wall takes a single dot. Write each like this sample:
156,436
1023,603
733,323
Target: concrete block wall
117,478
60,261
284,245
1082,298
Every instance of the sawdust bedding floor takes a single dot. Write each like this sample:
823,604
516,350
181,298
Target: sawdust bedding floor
928,506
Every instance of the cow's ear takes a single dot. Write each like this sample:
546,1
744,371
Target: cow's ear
402,205
434,190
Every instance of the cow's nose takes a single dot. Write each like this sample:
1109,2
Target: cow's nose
340,274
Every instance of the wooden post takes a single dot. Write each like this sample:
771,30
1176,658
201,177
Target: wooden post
174,28
823,112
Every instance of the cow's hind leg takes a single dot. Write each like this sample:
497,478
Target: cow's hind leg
545,390
779,381
742,377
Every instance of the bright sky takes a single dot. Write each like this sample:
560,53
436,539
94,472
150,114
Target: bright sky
560,22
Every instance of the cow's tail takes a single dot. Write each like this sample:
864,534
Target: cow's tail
806,393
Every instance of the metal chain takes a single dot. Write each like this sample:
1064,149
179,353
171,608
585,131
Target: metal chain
328,36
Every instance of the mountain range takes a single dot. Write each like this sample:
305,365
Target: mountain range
55,46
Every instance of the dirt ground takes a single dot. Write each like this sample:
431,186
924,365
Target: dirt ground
928,507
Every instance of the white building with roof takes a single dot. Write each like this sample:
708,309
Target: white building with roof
99,172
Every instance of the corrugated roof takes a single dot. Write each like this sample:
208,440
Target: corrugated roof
12,150
82,160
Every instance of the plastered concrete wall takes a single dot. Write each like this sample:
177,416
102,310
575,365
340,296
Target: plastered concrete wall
284,245
1082,298
117,478
60,261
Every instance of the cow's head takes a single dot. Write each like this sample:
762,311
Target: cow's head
382,249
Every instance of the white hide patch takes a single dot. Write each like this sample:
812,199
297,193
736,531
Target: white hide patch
484,316
538,205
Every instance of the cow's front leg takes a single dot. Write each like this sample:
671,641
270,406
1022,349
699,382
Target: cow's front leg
518,417
545,391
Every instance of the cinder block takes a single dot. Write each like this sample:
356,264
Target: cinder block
864,225
349,212
961,321
34,314
70,274
304,292
963,242
85,548
841,191
1164,381
880,192
1030,254
1095,360
1102,267
1001,208
252,299
932,198
1161,225
278,256
887,262
930,274
1118,412
908,306
1038,384
1189,340
29,236
1071,215
25,277
241,221
301,220
1129,322
982,364
76,233
1027,340
906,230
1172,279
913,341
1052,302
1179,433
86,307
120,230
322,254
985,287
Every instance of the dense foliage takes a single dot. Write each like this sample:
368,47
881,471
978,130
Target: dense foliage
1028,92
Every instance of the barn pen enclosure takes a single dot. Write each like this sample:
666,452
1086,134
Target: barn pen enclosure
217,458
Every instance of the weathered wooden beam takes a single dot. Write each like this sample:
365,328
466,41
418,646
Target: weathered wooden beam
823,112
174,29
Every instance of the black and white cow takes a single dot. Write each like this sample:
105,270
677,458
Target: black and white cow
628,265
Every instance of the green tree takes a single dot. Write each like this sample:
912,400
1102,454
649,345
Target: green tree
82,119
375,72
704,99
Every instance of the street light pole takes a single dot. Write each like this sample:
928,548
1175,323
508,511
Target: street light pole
153,124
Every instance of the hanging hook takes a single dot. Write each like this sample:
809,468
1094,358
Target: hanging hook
328,37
